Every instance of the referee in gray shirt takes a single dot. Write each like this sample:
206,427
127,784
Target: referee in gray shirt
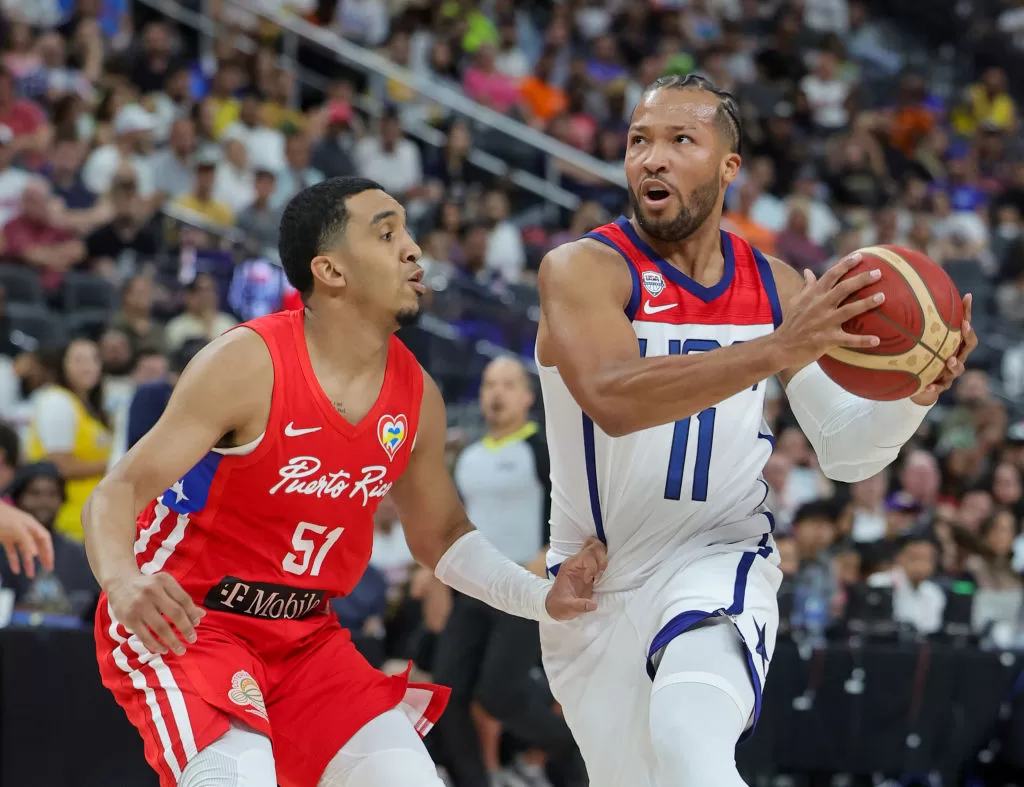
483,654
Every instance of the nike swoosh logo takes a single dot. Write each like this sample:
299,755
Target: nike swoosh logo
648,309
291,431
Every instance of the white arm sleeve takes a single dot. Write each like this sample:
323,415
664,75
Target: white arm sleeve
55,421
854,438
475,568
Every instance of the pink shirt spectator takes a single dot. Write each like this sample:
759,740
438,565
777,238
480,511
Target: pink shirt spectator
24,117
23,233
497,91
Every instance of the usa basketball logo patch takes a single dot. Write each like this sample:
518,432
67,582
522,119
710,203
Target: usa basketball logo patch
392,431
245,691
653,283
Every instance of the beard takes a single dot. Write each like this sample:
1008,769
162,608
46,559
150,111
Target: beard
407,317
693,212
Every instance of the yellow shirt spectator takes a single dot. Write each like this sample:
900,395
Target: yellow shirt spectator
986,104
68,429
215,212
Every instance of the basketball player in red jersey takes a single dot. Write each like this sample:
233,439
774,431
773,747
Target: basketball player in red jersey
257,489
659,331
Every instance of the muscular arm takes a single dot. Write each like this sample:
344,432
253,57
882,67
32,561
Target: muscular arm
586,334
854,438
441,536
225,389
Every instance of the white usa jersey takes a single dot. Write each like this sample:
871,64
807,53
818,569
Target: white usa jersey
678,486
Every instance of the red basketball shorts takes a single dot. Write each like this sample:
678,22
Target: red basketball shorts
308,703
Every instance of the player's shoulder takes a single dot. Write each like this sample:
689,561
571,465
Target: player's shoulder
236,361
583,264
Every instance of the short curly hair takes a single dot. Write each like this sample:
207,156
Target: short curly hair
311,224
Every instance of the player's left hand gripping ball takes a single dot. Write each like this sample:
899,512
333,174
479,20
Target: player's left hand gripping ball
955,365
571,595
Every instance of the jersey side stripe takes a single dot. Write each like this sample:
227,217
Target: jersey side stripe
634,274
590,457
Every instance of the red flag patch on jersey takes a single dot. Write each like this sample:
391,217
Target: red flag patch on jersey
392,431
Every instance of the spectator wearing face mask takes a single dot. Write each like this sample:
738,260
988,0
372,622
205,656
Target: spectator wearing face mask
69,428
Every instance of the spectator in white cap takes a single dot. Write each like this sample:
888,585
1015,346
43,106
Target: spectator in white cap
132,125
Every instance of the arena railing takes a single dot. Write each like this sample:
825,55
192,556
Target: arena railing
296,30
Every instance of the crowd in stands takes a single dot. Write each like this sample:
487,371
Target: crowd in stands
143,172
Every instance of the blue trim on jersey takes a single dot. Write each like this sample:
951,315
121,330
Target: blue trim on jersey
756,680
673,274
684,621
764,268
634,297
769,437
189,494
553,571
742,571
590,457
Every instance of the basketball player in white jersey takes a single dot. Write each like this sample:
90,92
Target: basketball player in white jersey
656,337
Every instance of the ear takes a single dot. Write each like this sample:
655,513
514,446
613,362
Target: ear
329,270
731,167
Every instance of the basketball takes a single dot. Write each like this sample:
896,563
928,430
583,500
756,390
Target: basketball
918,326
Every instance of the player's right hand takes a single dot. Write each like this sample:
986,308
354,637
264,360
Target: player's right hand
152,606
814,319
571,593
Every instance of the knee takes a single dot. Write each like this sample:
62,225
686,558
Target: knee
395,768
694,728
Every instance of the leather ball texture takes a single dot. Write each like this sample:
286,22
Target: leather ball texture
918,326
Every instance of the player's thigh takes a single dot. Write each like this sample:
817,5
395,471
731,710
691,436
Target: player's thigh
714,654
324,694
595,667
386,751
182,704
737,586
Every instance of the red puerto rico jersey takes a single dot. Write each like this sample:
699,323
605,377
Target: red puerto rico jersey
270,531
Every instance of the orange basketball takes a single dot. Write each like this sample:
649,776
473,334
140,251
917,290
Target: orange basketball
918,325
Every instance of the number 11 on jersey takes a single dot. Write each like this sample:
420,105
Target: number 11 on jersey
681,433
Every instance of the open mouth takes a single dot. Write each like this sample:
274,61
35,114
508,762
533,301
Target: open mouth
417,281
655,192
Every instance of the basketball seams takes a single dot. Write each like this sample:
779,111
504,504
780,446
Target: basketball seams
918,286
900,327
882,254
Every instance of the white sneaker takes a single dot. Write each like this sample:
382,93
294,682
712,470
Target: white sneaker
534,775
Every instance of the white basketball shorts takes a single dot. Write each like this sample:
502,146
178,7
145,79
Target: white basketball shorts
599,665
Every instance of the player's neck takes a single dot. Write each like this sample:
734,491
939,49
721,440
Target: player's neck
364,344
699,256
